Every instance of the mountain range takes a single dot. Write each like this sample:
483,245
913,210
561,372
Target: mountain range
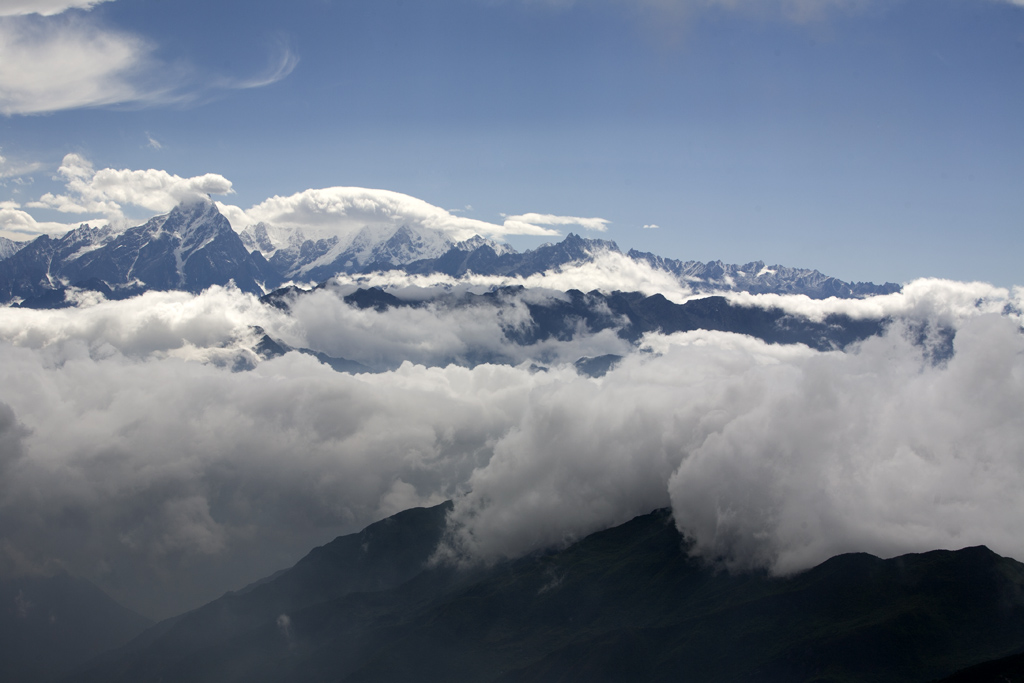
194,247
630,603
625,604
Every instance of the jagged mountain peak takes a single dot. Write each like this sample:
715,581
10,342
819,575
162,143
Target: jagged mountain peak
194,245
9,247
195,216
190,248
476,242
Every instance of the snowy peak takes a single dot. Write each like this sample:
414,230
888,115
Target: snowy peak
193,247
196,223
9,247
256,238
190,248
476,241
408,244
757,278
373,247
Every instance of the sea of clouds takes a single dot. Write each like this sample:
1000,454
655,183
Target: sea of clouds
136,453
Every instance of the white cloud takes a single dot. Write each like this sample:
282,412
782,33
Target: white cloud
196,479
63,63
608,271
775,457
51,63
9,169
153,143
946,302
534,220
109,190
279,68
651,226
317,213
18,225
44,7
345,210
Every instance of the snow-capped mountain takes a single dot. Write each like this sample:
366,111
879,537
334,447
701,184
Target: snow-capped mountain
713,276
375,247
194,247
190,248
9,247
757,278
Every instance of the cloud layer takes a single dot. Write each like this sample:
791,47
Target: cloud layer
133,453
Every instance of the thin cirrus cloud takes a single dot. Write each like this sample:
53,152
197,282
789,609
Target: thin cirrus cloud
45,8
52,60
15,169
51,64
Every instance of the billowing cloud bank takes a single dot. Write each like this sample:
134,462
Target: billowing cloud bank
132,453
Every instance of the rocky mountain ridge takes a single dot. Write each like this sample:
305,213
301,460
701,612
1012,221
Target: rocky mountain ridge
194,247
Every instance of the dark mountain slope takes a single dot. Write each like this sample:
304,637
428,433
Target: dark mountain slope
1003,670
50,625
381,557
626,604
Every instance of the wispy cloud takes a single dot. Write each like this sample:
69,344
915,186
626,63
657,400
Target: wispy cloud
51,63
535,220
281,65
669,14
14,169
10,8
68,62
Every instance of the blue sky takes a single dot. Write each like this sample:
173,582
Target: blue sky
871,139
